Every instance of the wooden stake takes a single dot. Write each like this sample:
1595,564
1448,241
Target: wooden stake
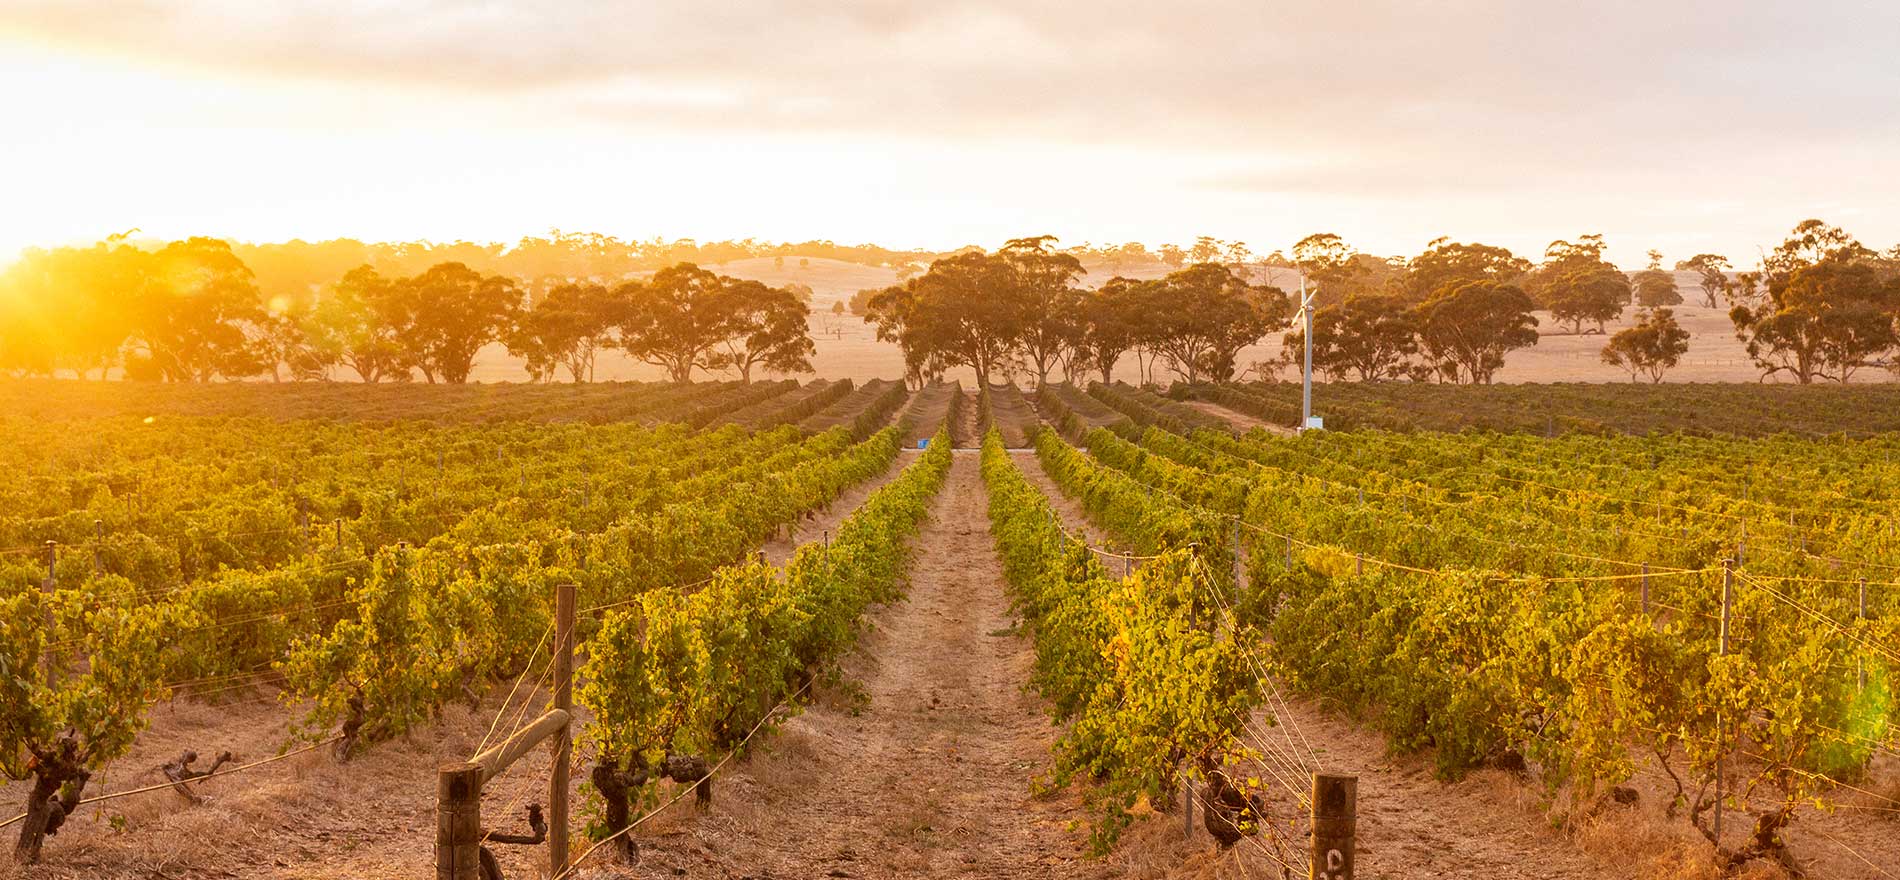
1645,589
48,586
458,822
1860,664
564,740
1239,567
1187,808
98,542
1335,806
1721,650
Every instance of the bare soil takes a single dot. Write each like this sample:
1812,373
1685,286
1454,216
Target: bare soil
1238,419
927,410
1012,414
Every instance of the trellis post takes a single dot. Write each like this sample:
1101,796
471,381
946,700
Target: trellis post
564,743
1335,807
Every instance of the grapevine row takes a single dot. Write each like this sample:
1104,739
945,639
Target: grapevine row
1148,674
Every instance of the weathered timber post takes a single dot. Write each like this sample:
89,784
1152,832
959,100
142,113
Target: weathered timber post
1289,553
1721,650
339,533
1239,567
458,822
1187,808
1645,589
564,740
1335,822
1860,663
1358,563
98,543
48,586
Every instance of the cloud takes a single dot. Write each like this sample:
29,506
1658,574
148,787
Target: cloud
1222,75
1345,114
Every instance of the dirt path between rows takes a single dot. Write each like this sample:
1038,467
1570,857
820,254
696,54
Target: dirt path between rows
928,771
1238,419
1012,414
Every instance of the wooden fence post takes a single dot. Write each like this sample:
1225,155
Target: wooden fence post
1187,808
458,822
1721,649
1860,664
1335,822
1645,589
1239,567
48,586
564,740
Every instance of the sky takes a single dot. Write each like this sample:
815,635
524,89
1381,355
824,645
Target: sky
1685,127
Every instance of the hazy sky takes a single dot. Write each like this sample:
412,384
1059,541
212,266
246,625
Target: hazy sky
1681,126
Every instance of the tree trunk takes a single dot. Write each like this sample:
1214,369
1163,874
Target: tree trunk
614,785
46,809
39,811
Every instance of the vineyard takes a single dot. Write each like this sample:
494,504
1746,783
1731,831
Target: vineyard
1741,409
813,610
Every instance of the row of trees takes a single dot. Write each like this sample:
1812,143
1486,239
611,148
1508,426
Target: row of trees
1461,333
192,311
1821,307
1021,308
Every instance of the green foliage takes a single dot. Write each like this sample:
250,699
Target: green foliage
1650,348
108,655
1465,330
1128,509
1474,596
1133,666
691,674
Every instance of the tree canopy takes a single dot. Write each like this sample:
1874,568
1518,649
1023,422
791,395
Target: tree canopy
1578,286
1712,274
1466,330
1650,348
1370,338
1445,264
1829,308
688,318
